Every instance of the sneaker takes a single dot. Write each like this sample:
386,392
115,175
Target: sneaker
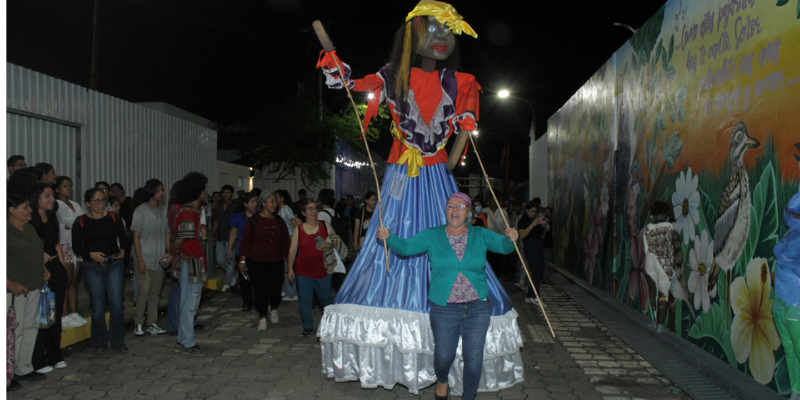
262,325
306,333
177,347
273,316
138,331
44,370
122,349
529,300
225,288
60,365
77,317
155,330
289,298
193,351
69,322
537,302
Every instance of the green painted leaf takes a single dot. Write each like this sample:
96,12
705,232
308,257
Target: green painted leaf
671,108
782,382
765,205
671,47
764,219
681,112
727,346
658,53
712,325
782,2
642,57
670,73
664,60
709,211
680,95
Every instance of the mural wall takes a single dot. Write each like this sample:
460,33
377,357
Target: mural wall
700,109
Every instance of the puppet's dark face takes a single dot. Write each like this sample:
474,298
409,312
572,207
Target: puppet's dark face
438,42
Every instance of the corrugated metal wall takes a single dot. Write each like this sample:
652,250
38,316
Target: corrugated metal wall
117,141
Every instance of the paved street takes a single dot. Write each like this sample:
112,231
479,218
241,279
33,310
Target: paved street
585,361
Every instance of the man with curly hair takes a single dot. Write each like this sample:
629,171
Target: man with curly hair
188,263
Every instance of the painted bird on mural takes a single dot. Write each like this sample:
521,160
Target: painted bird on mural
733,215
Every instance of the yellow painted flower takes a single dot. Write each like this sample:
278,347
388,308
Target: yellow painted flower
753,333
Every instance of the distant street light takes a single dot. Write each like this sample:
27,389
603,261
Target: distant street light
503,94
370,96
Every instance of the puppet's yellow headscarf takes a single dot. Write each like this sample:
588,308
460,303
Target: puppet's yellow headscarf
445,14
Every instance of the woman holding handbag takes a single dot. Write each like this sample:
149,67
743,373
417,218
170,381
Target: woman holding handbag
47,351
265,244
25,275
305,255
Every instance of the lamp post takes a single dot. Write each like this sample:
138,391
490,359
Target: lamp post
506,150
532,133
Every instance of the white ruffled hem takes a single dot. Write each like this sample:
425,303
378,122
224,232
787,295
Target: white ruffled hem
384,347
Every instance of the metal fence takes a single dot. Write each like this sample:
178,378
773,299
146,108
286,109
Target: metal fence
90,136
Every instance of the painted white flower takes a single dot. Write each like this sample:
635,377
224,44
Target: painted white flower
604,199
701,257
685,201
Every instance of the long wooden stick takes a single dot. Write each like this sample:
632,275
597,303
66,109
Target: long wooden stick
328,46
521,258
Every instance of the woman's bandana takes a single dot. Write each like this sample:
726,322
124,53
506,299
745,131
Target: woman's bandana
462,196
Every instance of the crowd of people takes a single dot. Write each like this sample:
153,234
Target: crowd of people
269,246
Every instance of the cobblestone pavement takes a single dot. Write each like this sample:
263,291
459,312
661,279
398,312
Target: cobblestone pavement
584,361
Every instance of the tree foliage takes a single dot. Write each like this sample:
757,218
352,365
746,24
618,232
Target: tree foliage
289,137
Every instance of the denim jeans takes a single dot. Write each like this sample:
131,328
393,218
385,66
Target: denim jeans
228,265
190,301
470,321
306,288
174,307
106,282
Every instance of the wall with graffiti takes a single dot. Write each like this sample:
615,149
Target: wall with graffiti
701,110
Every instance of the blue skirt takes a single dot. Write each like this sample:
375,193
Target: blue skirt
378,331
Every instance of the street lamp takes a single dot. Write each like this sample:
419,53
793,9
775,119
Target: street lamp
532,132
506,94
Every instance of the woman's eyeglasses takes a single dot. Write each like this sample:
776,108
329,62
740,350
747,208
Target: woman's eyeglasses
458,206
312,209
100,201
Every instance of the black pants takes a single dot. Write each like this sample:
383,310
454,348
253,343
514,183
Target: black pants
496,261
47,350
267,281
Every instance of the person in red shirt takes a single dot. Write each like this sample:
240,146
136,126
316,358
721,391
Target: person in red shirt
188,263
265,244
306,262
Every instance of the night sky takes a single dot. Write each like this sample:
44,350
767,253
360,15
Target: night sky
228,60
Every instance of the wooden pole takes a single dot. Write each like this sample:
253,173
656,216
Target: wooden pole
328,46
521,258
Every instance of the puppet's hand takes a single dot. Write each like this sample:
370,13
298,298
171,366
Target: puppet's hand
333,77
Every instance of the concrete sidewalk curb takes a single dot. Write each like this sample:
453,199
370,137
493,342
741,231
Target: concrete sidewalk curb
736,381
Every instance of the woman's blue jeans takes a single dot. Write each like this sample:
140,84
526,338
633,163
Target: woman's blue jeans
106,282
305,290
469,321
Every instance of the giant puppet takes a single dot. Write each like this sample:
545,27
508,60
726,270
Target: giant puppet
378,330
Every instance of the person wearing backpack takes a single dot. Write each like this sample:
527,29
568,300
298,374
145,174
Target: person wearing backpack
328,214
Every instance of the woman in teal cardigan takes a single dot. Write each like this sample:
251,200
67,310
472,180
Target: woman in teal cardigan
458,288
